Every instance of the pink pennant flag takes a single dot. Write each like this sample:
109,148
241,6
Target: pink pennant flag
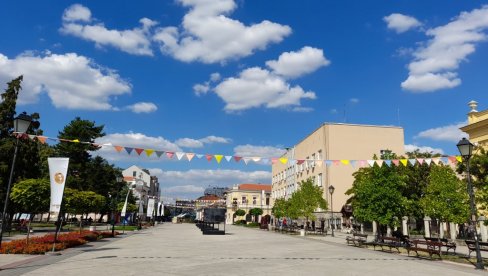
396,162
118,148
420,160
274,160
139,151
209,157
452,159
336,162
190,156
170,154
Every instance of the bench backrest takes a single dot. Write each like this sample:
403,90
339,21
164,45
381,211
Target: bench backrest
428,243
360,235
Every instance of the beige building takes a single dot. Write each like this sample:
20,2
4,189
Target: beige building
477,127
333,141
247,197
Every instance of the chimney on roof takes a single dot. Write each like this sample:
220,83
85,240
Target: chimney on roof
473,105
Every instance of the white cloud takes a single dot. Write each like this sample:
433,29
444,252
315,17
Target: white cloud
71,81
143,107
200,89
215,77
255,87
208,35
450,133
354,100
412,148
401,23
296,64
302,109
135,41
134,140
258,151
77,12
194,143
191,183
434,64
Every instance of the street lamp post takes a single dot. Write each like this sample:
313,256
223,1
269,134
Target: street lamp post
21,124
331,191
466,149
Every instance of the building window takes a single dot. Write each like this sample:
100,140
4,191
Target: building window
267,200
319,180
134,173
244,200
253,200
319,155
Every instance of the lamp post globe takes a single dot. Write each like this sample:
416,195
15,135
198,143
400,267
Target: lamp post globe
465,147
331,191
21,125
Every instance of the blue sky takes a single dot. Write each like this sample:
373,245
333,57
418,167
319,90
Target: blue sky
244,78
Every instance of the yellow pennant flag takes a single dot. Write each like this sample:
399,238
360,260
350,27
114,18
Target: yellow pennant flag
218,157
459,158
75,141
149,152
345,162
404,162
283,160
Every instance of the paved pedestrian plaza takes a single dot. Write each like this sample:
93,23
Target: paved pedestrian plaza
181,249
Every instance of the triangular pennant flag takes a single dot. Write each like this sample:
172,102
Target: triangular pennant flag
190,156
404,162
237,158
299,162
353,163
118,148
209,157
388,163
199,156
31,136
218,157
265,160
159,153
170,154
42,139
319,163
128,150
274,160
345,162
228,158
336,162
246,159
371,163
379,162
436,160
283,160
412,161
75,141
459,158
362,163
139,151
444,160
328,163
149,152
420,160
428,160
452,159
396,162
180,155
256,159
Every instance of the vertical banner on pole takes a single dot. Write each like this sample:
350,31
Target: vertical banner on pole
158,213
124,209
58,168
150,207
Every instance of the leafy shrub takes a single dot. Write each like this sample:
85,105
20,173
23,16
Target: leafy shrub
240,222
253,224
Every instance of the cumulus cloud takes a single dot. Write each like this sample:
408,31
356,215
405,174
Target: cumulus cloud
71,81
76,19
436,61
143,107
176,183
401,23
194,143
134,140
258,151
412,148
208,35
449,133
296,64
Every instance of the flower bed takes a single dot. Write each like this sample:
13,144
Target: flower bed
40,245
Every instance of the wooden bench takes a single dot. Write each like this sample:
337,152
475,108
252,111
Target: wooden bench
472,246
431,247
357,239
390,242
445,243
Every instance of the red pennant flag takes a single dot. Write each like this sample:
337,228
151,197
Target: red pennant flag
170,154
118,148
237,158
299,162
209,157
396,162
139,151
336,162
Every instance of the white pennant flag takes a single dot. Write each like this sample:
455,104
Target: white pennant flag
180,155
256,159
246,160
228,158
58,168
124,209
428,160
371,163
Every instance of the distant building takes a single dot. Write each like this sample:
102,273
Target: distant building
217,191
333,141
143,186
247,197
477,127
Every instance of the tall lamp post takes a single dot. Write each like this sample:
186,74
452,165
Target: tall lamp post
331,191
21,124
466,149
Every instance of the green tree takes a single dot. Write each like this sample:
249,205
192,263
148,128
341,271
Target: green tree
445,197
306,200
280,208
377,195
256,212
478,169
240,213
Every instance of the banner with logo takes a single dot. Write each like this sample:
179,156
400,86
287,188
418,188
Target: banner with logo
58,168
150,207
124,209
158,213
